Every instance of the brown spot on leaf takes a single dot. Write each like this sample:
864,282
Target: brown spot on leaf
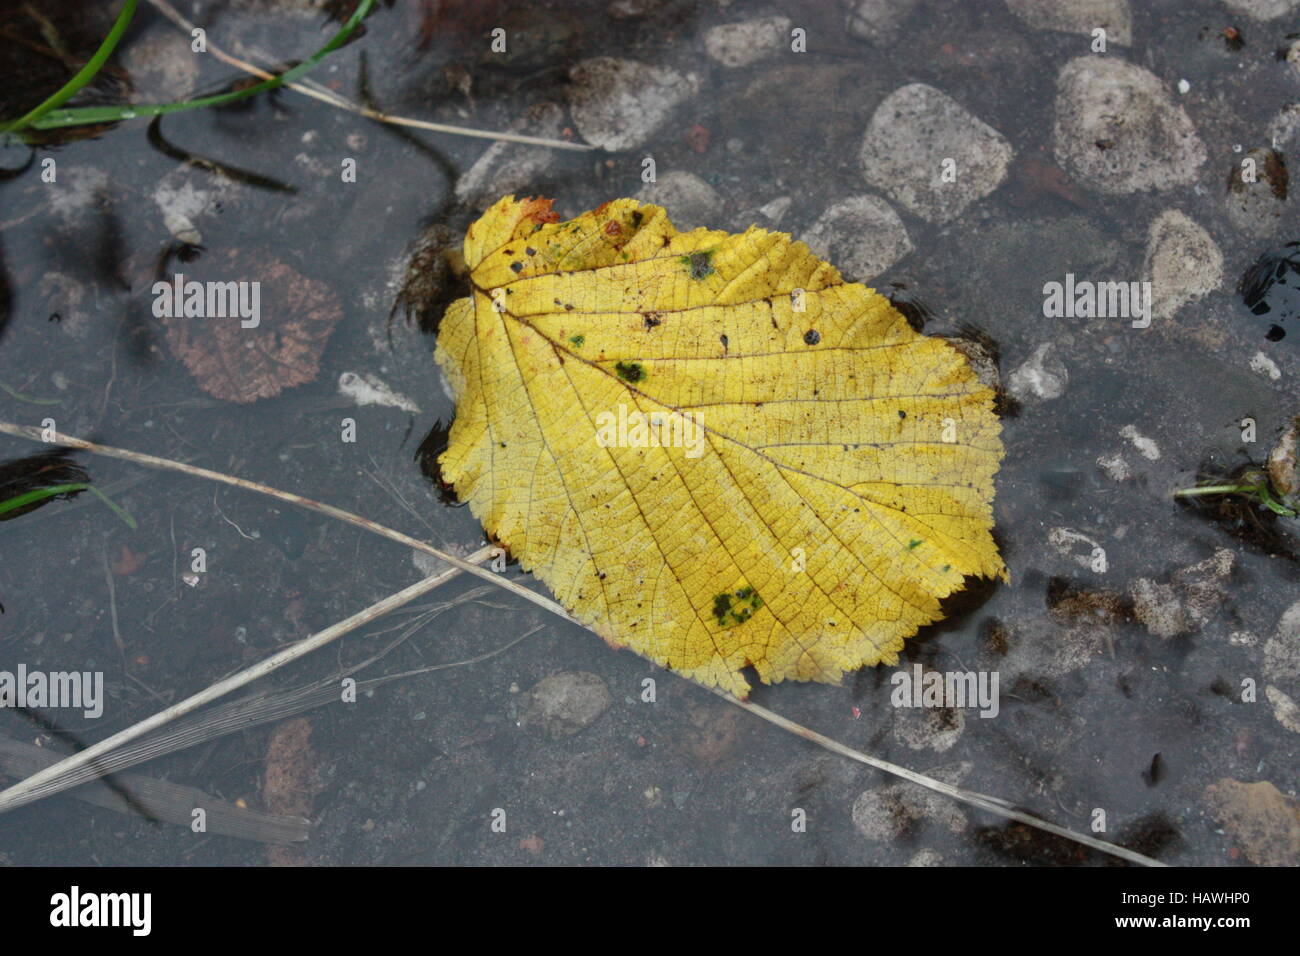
539,210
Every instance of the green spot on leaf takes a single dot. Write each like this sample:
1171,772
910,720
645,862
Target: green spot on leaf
700,264
732,608
577,340
630,371
913,543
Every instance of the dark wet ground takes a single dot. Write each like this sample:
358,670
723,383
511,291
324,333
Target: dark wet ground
1097,712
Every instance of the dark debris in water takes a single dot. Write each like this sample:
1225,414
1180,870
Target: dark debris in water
1245,519
18,476
47,43
426,456
903,298
1270,289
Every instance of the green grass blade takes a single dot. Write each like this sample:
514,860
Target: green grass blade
1212,490
86,115
114,507
83,76
40,494
27,497
28,398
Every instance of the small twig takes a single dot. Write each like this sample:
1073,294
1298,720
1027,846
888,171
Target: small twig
34,787
261,708
152,461
162,800
983,801
30,789
112,608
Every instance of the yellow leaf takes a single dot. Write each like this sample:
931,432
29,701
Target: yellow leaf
710,447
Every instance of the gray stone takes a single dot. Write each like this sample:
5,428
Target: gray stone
1075,545
1042,650
84,191
1146,447
690,201
1256,198
506,167
862,236
877,20
186,199
1292,58
1261,363
747,42
632,9
1285,710
887,812
1043,375
766,216
1185,603
1182,263
927,857
367,389
1157,606
929,728
1282,651
1118,130
909,139
1078,16
564,703
1115,467
163,68
1263,9
70,298
1282,667
619,104
1284,465
1282,131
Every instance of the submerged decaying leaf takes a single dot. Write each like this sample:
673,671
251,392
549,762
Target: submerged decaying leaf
712,449
1261,820
240,364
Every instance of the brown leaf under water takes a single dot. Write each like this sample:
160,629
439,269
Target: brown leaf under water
1261,820
240,364
1035,179
290,782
